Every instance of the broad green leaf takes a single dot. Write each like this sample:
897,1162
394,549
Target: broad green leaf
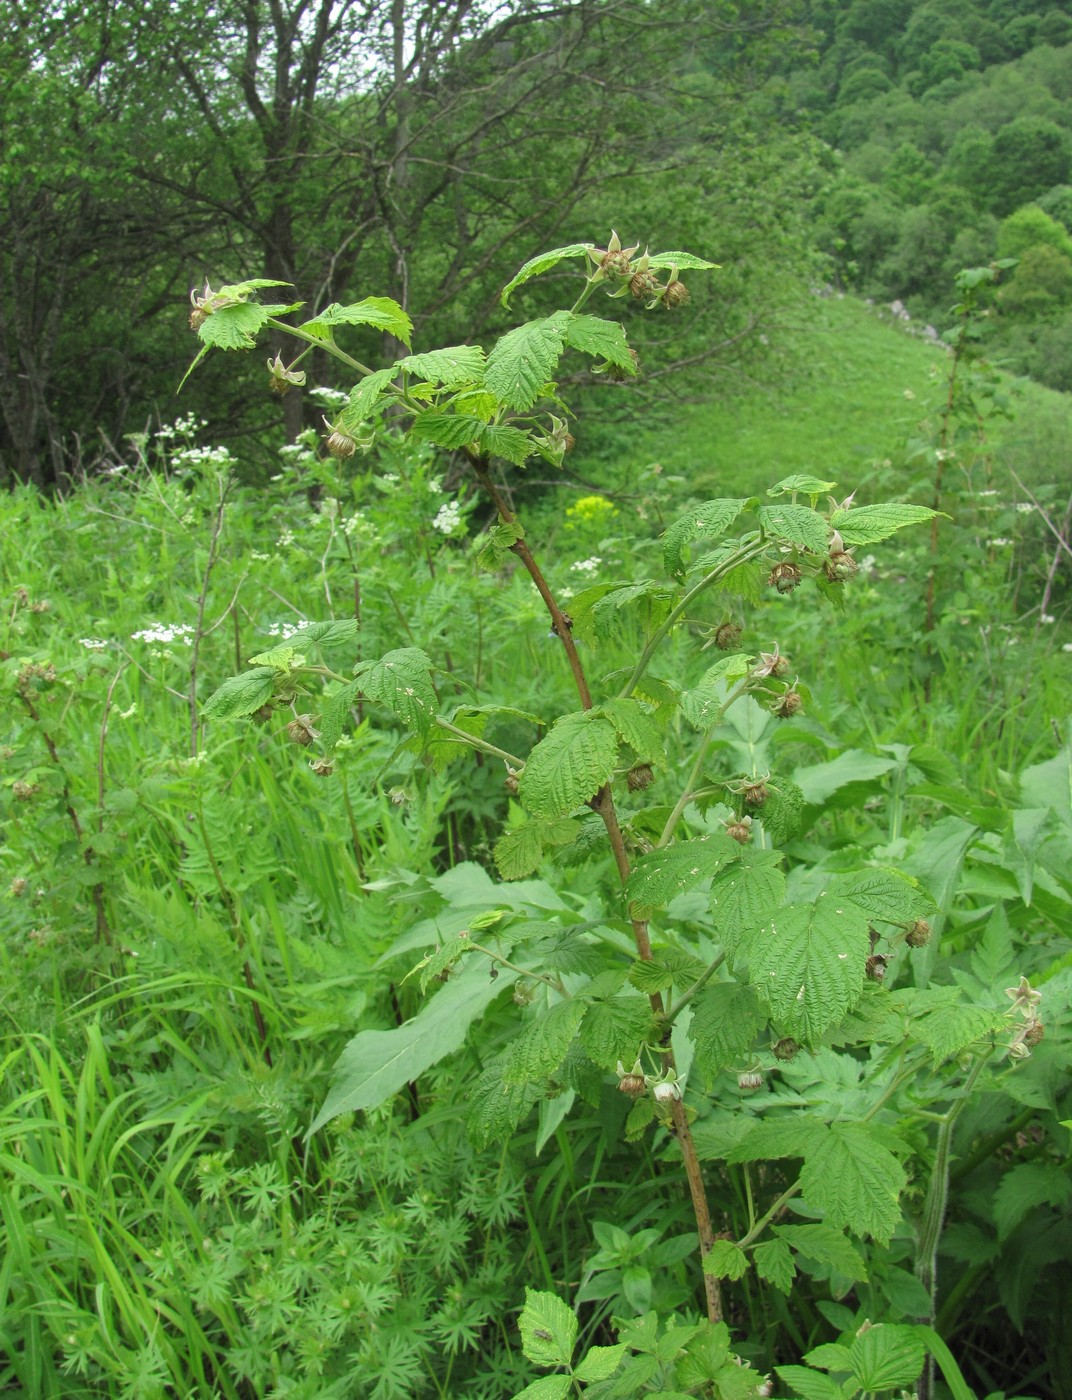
519,852
809,485
455,366
569,765
599,611
494,1108
541,1047
682,261
884,894
725,1260
1050,784
636,727
726,1018
855,1181
702,704
830,1356
797,524
451,430
335,714
278,658
604,340
774,1263
364,397
708,520
782,813
808,964
1025,1186
745,895
614,1029
546,1388
241,695
661,875
887,1355
770,1139
495,544
599,1363
511,444
669,967
327,633
380,312
548,1329
819,781
543,262
402,682
236,327
870,524
376,1064
812,1385
825,1245
947,1030
524,359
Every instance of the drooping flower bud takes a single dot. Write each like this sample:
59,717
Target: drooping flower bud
755,794
1034,1033
639,777
727,635
631,1082
301,731
740,831
786,1048
675,294
784,577
875,967
322,767
788,705
749,1080
840,567
919,934
341,445
281,379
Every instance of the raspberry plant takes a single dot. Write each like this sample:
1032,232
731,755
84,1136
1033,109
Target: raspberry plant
785,965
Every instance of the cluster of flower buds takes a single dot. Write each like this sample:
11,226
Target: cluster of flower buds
281,377
205,303
666,1088
637,275
1025,1000
342,444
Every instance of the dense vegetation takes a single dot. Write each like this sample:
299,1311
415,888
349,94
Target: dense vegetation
534,888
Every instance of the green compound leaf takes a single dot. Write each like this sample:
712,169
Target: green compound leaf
494,1108
870,524
661,875
524,359
947,1030
380,312
364,397
796,524
496,543
636,727
614,1029
884,894
546,1388
236,327
542,1045
543,262
519,852
808,964
825,1245
455,366
335,714
451,430
707,520
774,1264
809,485
279,658
241,695
511,444
812,1385
548,1329
745,895
402,681
770,1139
600,1362
604,340
887,1355
570,765
702,705
327,633
726,1018
725,1260
854,1180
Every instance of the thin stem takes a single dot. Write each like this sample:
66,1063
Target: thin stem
686,996
553,982
689,792
199,629
476,743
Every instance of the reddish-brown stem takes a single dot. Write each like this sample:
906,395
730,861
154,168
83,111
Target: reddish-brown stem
603,803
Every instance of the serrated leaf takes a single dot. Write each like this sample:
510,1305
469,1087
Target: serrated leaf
726,1018
548,1329
241,695
494,1108
797,524
702,703
887,1355
434,965
883,894
569,765
947,1030
375,1064
870,524
808,964
278,658
825,1245
809,485
668,967
770,1139
636,727
543,262
600,1362
707,520
519,852
661,875
450,430
335,714
495,544
830,1356
725,1260
854,1180
682,261
1025,1186
364,397
328,633
524,359
546,1388
383,313
782,812
745,895
613,1030
402,682
774,1264
236,327
602,339
812,1385
455,366
511,444
542,1045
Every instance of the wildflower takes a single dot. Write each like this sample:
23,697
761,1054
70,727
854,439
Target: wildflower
282,377
164,634
92,643
613,260
1024,998
1024,507
586,566
448,518
1000,543
1047,618
771,664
